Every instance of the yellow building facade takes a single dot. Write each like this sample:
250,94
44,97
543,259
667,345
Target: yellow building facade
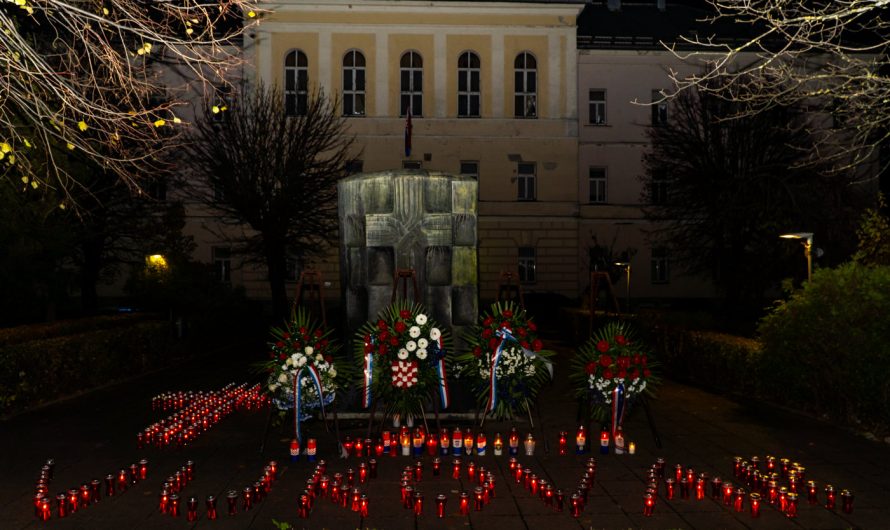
492,91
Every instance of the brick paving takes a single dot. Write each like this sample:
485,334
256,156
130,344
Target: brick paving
94,434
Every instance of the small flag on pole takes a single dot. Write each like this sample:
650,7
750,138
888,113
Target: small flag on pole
408,130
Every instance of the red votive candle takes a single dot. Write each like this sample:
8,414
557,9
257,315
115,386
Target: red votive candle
830,497
95,488
560,500
163,501
727,493
783,499
755,504
811,492
455,471
303,508
350,477
669,488
418,503
716,486
471,471
576,505
437,465
174,505
232,500
363,505
738,502
211,507
684,488
362,473
408,498
378,448
791,508
548,495
62,503
737,466
432,445
84,496
464,503
44,511
247,496
441,499
344,495
533,484
648,505
678,472
356,500
699,488
192,506
418,471
847,501
73,500
478,497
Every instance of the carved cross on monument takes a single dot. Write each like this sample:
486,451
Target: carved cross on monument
408,230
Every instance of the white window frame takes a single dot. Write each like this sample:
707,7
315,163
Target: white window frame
526,181
222,264
597,179
355,77
596,98
296,98
469,75
525,73
410,92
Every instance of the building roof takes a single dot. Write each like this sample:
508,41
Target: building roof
645,24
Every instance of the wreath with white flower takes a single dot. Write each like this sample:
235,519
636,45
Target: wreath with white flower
301,344
612,359
400,354
522,366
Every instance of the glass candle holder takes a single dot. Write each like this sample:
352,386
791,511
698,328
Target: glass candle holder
73,500
576,505
455,468
464,503
437,466
174,505
560,500
669,488
62,503
791,505
533,484
511,464
684,488
232,502
737,466
363,505
356,500
542,487
847,501
109,485
44,511
648,505
441,499
408,499
84,495
811,492
247,497
468,442
716,487
418,503
678,472
513,442
699,488
192,509
830,497
303,506
457,442
728,488
478,498
529,445
350,477
754,501
210,503
772,488
738,501
548,495
344,495
471,471
659,466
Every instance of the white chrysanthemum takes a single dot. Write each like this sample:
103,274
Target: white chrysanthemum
309,350
273,387
294,358
319,358
411,345
421,354
332,372
403,354
435,333
287,362
414,332
421,319
301,361
282,378
422,343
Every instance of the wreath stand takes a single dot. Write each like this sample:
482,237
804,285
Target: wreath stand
507,291
597,277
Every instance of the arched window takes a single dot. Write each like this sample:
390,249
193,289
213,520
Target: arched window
468,85
296,83
354,83
525,75
411,71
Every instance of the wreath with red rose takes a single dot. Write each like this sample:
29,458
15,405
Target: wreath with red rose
402,356
612,359
508,338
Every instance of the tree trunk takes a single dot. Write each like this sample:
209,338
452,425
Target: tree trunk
277,265
89,273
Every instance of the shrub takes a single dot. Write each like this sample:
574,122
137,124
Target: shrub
25,333
41,370
826,349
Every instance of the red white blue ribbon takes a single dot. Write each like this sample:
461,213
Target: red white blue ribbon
313,374
440,370
369,379
618,401
505,335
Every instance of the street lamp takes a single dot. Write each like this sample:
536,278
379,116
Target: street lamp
626,266
807,238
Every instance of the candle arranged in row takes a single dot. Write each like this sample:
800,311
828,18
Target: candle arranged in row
341,489
77,498
170,498
196,413
455,442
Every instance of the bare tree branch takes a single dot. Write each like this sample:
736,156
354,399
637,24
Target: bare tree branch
83,75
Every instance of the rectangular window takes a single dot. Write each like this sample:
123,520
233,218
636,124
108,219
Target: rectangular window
658,188
660,270
659,109
597,180
411,164
354,166
525,179
526,264
597,100
222,264
469,169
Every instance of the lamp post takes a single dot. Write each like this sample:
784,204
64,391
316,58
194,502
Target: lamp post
807,239
626,266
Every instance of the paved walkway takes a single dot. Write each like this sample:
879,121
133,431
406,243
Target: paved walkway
95,434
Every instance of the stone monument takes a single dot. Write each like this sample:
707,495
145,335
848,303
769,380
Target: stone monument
409,219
